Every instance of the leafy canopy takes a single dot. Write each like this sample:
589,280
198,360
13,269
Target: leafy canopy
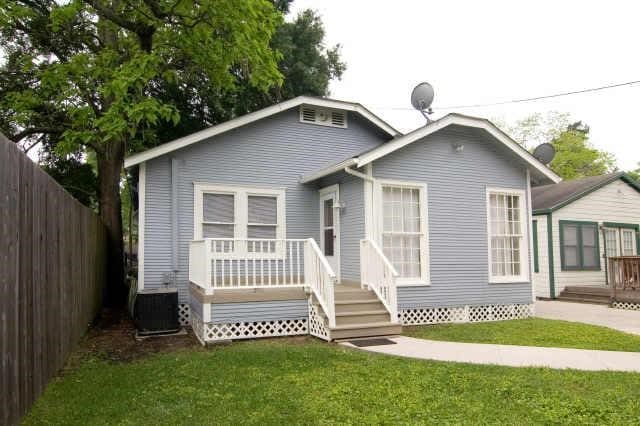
575,156
86,70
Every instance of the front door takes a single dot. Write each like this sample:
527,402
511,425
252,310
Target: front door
330,226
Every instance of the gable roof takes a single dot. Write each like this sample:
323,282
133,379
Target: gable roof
547,198
432,127
255,116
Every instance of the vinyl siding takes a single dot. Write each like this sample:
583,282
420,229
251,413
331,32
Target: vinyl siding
259,311
541,279
615,202
456,194
273,152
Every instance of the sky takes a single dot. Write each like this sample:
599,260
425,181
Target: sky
476,52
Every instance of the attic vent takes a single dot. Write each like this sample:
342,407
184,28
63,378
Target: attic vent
323,117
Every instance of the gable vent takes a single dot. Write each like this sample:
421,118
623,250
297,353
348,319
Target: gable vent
323,117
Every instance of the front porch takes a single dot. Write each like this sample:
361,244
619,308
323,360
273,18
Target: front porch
621,289
247,288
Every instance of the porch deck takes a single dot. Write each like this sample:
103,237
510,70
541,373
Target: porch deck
599,295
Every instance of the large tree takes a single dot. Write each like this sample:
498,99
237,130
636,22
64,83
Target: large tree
86,72
575,155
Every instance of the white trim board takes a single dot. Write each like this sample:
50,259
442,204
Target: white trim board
255,116
142,181
433,127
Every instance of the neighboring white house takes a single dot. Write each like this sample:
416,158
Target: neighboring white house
592,218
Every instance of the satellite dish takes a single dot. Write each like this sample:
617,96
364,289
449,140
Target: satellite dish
544,153
422,98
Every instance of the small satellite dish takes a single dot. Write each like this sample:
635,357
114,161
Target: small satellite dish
422,98
544,153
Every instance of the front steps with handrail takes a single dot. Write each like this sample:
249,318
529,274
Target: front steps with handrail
359,313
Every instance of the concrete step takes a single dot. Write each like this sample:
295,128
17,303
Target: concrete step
362,318
365,330
359,306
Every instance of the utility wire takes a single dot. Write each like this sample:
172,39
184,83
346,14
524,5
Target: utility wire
535,98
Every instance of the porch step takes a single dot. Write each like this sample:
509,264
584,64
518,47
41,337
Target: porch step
364,317
579,298
596,291
359,306
365,330
348,295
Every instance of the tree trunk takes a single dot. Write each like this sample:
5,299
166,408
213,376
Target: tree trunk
109,168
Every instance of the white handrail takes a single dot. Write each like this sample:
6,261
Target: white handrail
377,273
321,279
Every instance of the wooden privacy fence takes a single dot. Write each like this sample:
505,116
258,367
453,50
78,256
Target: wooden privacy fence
52,268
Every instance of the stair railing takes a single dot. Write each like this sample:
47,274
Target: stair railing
379,275
321,279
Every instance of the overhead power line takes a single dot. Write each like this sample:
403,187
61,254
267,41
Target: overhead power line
531,99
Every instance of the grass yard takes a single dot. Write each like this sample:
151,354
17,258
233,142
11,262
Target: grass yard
304,381
531,332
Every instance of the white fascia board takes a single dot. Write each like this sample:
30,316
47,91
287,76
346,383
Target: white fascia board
327,171
250,118
448,120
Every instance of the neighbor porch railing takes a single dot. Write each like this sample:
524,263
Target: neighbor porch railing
624,274
377,273
241,263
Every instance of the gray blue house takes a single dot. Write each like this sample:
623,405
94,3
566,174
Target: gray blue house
314,216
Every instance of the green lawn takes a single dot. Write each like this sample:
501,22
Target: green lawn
531,332
308,382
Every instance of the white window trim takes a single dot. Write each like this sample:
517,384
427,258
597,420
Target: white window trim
425,274
336,225
524,277
241,213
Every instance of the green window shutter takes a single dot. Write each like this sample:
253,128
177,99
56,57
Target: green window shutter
536,267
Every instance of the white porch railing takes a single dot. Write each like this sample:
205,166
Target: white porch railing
233,263
377,273
321,279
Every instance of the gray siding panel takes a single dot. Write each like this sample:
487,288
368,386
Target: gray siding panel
273,152
259,311
456,193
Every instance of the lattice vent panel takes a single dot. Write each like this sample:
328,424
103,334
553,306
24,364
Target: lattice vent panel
465,314
317,327
183,314
626,305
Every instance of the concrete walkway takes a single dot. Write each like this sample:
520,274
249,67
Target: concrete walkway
507,355
619,319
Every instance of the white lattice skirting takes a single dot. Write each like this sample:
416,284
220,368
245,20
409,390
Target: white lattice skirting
210,332
316,323
626,305
465,314
183,314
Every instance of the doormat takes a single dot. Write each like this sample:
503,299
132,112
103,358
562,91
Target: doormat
371,342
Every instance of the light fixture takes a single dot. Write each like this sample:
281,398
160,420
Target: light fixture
338,205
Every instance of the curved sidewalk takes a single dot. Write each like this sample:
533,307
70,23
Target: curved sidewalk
508,355
619,319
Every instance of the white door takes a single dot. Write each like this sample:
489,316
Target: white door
330,226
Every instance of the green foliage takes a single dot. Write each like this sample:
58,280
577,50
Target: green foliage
532,332
76,177
281,382
635,174
575,156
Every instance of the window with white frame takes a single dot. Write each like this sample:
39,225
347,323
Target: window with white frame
240,213
508,249
628,242
404,230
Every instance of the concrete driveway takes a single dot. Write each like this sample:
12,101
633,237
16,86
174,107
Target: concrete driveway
619,319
